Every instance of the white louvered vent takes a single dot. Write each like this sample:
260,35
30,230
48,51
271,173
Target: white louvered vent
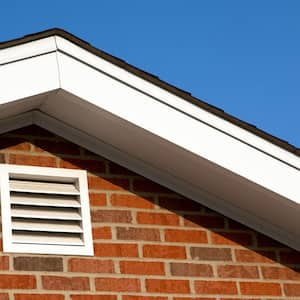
45,210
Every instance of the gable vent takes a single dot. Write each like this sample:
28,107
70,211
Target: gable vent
45,210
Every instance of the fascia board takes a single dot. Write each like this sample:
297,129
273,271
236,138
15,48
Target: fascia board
29,77
27,50
174,101
58,63
52,44
178,128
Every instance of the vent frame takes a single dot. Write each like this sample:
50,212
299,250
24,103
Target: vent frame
75,178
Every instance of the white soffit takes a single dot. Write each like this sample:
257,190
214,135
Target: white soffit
69,82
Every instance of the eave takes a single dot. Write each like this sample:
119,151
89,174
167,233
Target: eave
60,85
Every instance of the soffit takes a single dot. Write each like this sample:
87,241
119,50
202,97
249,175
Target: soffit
149,77
115,114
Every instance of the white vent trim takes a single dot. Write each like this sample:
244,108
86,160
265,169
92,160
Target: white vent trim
45,210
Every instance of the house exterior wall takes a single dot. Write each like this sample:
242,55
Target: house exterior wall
149,242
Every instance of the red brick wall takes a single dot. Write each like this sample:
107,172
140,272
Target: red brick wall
149,242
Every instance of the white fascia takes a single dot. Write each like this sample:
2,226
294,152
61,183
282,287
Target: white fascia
44,73
173,119
175,102
52,63
29,69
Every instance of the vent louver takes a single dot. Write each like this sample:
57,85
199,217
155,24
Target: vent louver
45,212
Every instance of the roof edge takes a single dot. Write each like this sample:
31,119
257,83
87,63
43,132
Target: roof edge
154,80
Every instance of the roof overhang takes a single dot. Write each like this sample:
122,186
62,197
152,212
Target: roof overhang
60,86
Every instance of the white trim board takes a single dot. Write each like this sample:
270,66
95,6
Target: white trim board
163,137
160,176
60,46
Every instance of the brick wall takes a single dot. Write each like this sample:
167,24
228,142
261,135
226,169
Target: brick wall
149,242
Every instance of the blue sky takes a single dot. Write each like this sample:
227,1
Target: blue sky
241,56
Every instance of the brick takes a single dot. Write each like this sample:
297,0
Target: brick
97,199
22,159
65,283
280,273
236,225
161,251
4,262
118,284
209,210
4,296
8,281
132,201
147,186
260,288
266,242
143,298
101,233
93,166
32,130
116,250
39,297
111,216
255,256
232,238
244,299
88,153
90,265
58,147
157,218
34,263
290,257
142,234
194,298
233,271
189,269
142,267
185,236
167,286
116,169
112,184
15,144
214,254
93,297
216,287
179,204
204,221
291,289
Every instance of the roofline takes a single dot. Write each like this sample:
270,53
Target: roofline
154,80
219,164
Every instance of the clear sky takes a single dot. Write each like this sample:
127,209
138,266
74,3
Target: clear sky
242,56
